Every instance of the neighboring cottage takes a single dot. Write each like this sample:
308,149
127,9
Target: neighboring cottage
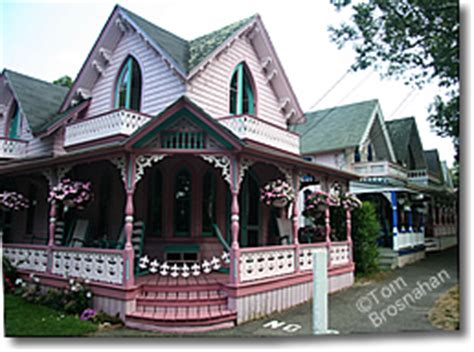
166,143
389,157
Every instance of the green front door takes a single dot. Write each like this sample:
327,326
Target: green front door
249,200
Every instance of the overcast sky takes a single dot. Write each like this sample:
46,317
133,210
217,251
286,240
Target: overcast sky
49,40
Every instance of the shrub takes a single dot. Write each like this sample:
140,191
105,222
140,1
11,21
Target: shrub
10,275
365,229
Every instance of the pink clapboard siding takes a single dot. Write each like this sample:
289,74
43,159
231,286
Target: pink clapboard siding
160,85
210,88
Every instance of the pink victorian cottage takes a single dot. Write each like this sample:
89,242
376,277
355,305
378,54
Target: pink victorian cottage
173,140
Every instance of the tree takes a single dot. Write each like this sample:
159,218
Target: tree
414,40
365,230
64,81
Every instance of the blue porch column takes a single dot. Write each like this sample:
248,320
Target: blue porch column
393,197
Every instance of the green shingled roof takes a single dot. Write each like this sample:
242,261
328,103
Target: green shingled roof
404,134
433,163
186,54
335,128
38,100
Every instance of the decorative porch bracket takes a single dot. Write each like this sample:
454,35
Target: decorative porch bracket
221,162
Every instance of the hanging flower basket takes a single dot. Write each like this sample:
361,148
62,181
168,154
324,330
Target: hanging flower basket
316,203
13,201
72,194
277,193
349,201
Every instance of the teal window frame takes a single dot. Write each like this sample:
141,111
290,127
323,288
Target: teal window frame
13,129
127,77
190,205
241,92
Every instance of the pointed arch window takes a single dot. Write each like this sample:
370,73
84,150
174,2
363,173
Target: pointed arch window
129,86
242,95
14,126
357,155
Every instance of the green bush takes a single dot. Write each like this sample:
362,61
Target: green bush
365,229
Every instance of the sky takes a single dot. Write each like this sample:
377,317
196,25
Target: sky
49,39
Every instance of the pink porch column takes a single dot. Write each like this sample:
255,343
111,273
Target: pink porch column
51,231
234,225
129,255
296,187
327,220
349,233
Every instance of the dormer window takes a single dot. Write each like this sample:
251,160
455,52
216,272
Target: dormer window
129,86
14,125
242,97
370,153
357,155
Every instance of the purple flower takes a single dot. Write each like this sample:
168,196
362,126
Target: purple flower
88,314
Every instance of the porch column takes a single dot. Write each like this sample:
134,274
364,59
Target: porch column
234,225
129,255
295,215
393,197
349,233
327,220
52,223
410,220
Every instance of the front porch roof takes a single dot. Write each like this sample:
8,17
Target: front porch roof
183,107
138,140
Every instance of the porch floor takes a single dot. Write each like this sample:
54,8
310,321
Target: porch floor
201,280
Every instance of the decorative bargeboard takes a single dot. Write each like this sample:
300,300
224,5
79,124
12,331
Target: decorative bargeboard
27,258
102,267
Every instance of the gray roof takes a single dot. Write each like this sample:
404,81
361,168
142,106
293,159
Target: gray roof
404,135
186,54
335,128
39,101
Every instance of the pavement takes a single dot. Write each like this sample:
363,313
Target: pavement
398,302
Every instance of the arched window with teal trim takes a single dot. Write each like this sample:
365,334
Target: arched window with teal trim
208,203
14,127
242,95
129,86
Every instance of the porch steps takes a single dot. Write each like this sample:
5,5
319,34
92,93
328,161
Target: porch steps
181,308
387,258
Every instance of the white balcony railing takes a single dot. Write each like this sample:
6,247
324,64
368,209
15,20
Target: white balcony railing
418,176
116,123
12,148
379,169
410,239
256,130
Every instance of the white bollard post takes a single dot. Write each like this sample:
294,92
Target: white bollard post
320,292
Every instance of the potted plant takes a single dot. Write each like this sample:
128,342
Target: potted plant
277,193
72,194
13,201
315,203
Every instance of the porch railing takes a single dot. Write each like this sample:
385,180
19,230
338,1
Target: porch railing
410,239
268,262
100,265
115,123
256,130
12,148
379,169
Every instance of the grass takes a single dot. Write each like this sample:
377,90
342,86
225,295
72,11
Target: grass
27,319
445,313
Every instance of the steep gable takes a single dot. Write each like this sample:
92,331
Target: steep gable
39,101
335,128
433,163
407,143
